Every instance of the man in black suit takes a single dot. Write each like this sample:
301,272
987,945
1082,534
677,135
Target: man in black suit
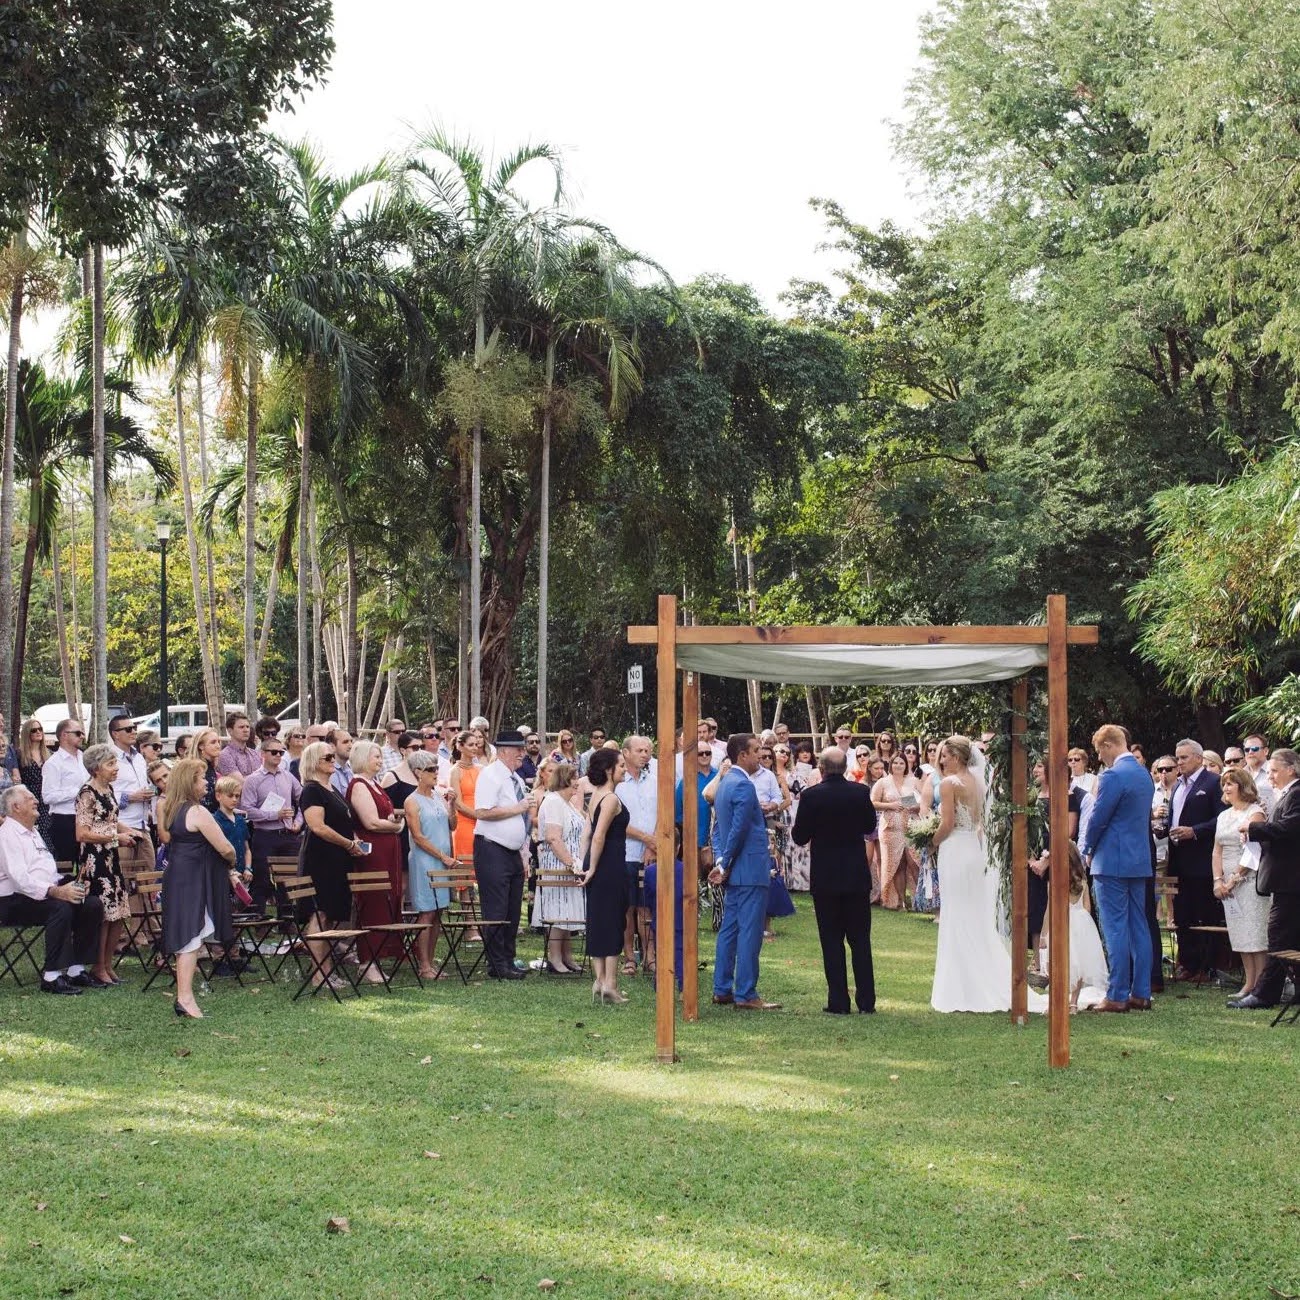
834,817
1278,874
1194,809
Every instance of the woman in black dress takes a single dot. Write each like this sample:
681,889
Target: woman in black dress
329,849
198,854
400,784
1039,871
606,875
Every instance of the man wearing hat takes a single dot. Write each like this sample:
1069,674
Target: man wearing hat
501,811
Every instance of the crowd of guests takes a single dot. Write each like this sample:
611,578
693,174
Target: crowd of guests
80,822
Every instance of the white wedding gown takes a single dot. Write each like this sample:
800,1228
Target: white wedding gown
972,971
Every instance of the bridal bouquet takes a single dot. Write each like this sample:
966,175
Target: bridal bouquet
920,832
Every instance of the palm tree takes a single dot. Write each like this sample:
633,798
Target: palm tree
338,231
486,241
53,425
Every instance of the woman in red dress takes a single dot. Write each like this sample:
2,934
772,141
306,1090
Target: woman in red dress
379,826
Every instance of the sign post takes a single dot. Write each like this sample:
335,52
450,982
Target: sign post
635,686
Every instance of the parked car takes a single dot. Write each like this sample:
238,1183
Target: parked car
50,715
182,720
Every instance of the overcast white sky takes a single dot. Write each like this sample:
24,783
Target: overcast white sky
696,131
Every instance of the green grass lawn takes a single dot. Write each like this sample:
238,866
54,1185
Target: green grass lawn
793,1154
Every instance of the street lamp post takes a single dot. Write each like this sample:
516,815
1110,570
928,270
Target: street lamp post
163,533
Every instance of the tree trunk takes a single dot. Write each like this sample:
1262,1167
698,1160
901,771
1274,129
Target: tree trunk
349,706
24,602
74,704
217,711
369,720
192,547
250,543
306,710
433,676
317,619
61,620
476,540
811,700
544,552
393,684
10,686
99,471
282,550
754,687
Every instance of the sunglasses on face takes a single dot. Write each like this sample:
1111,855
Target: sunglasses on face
909,750
329,758
704,753
150,744
273,753
78,735
1164,769
1254,749
129,730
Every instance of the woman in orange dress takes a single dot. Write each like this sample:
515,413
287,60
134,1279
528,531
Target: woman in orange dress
467,755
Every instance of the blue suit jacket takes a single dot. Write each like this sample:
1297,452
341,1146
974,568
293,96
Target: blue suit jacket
739,832
1118,831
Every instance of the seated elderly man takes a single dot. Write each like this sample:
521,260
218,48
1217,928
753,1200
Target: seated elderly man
30,894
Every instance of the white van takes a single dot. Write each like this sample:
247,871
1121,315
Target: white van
50,715
184,720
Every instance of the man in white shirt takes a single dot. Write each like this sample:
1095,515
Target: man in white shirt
501,811
30,894
639,795
61,780
719,747
134,793
844,740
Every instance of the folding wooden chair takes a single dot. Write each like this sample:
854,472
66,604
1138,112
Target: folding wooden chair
461,915
377,882
1290,957
572,890
341,941
1166,891
19,946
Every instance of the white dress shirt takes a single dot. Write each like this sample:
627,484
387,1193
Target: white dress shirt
640,796
61,780
132,775
766,786
1267,795
27,866
499,787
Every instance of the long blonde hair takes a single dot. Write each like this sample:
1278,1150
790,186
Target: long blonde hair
199,739
180,788
27,752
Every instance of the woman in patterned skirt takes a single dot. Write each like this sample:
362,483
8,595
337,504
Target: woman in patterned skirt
98,835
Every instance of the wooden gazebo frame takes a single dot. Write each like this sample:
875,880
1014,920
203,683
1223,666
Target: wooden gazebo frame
1056,635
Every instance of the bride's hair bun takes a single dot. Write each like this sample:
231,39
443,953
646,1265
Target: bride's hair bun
961,748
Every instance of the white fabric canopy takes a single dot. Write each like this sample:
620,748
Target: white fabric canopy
855,665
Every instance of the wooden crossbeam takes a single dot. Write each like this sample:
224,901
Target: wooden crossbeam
1015,634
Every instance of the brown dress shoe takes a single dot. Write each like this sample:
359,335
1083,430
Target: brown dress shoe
1139,1004
722,999
757,1004
1107,1005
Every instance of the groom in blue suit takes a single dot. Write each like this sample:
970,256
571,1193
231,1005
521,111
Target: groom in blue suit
1116,845
742,865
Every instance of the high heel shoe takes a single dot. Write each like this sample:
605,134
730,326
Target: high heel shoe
185,1015
612,995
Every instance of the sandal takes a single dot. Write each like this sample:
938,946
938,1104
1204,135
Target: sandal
629,967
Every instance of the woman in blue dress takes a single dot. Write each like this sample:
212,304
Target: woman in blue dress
430,819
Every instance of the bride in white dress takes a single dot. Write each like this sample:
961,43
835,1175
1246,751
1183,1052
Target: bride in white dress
972,971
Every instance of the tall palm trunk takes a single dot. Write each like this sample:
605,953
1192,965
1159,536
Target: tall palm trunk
61,622
462,611
317,620
209,628
350,705
306,705
9,683
250,542
476,538
192,546
99,474
74,700
544,552
272,595
24,596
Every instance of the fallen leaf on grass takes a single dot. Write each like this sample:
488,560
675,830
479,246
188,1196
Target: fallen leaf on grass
426,1060
1169,1098
181,1051
42,1205
579,1024
339,1225
155,1142
1078,1277
893,1078
485,1277
1015,1083
432,1155
932,1166
1076,1236
546,1284
125,1240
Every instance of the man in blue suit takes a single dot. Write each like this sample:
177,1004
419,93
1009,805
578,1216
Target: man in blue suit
742,865
1116,845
